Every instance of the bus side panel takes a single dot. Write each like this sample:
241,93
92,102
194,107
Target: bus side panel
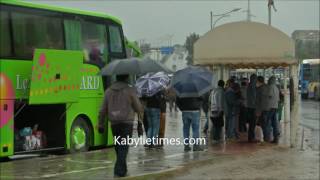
109,133
6,127
89,103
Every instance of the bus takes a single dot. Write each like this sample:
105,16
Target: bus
309,79
132,49
50,87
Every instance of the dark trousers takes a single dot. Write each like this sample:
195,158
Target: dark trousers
123,130
217,126
243,119
251,116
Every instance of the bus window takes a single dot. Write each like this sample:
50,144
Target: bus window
5,41
72,30
115,39
94,43
32,31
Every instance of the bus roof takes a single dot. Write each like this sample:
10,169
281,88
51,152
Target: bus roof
59,9
311,61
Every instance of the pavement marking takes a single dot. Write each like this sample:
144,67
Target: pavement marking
101,167
89,162
74,171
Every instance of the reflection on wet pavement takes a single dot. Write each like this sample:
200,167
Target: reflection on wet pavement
141,161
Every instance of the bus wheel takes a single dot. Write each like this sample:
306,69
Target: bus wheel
80,136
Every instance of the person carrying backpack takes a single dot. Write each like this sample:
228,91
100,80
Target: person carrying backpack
119,105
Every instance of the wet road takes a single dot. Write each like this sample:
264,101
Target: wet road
145,162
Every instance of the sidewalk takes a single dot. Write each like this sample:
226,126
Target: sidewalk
232,160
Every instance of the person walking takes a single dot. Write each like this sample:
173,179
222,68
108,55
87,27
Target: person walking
251,107
119,104
243,106
162,128
217,108
274,103
263,107
232,110
171,96
190,107
205,108
152,110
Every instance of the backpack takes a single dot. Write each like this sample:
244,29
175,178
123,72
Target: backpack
119,105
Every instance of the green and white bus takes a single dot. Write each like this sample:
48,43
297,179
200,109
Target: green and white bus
50,59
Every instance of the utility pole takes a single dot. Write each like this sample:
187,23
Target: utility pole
220,16
270,3
248,12
211,19
269,14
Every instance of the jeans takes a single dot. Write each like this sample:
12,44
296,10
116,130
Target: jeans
190,118
153,117
251,115
274,123
231,126
265,124
123,130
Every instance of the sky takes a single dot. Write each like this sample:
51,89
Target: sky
158,21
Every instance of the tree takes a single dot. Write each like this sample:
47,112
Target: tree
145,48
191,39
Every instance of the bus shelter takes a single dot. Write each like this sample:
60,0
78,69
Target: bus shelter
254,45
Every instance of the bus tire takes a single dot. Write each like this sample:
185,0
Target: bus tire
80,136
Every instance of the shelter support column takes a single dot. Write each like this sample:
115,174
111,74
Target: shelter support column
225,73
294,114
286,107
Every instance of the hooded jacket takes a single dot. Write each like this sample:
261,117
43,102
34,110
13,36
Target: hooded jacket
262,98
251,92
217,99
119,104
273,92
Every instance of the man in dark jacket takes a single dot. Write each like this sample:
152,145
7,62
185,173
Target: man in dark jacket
263,107
190,107
119,104
251,107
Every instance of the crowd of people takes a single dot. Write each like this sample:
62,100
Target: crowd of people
237,108
254,103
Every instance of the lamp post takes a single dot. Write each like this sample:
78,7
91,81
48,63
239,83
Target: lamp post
220,16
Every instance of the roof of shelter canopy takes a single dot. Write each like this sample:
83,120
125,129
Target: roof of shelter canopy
245,45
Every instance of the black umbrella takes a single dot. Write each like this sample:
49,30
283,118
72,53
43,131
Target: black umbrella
192,81
132,66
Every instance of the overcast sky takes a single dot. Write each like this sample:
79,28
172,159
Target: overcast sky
154,20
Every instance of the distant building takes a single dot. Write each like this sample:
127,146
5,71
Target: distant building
306,35
306,44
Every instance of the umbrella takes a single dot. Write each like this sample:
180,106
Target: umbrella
192,81
132,66
150,84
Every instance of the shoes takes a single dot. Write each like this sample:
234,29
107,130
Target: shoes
197,148
187,148
275,141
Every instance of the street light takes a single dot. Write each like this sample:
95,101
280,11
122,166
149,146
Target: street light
221,16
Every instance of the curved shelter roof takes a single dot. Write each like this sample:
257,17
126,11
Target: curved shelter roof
245,45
